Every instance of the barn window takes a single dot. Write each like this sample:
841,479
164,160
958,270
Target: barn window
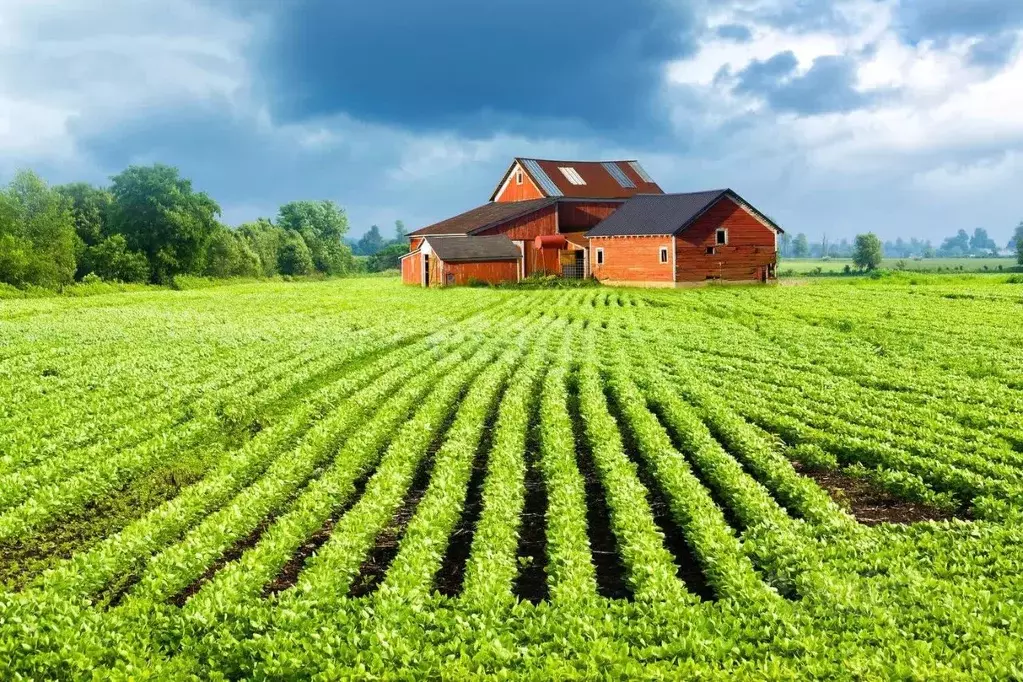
572,175
664,254
722,236
518,177
600,256
710,250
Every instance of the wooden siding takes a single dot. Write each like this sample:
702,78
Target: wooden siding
749,255
460,274
529,226
545,261
575,216
524,192
412,269
415,243
631,259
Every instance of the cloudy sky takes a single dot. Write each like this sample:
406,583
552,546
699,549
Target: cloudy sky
900,116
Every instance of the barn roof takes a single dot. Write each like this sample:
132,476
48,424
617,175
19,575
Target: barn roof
585,179
483,217
474,249
665,214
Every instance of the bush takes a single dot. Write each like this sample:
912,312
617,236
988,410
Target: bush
111,260
294,257
546,281
229,255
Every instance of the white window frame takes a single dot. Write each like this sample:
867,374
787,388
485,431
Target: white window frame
600,256
719,231
664,254
518,177
572,175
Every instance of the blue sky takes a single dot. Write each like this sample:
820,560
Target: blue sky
835,117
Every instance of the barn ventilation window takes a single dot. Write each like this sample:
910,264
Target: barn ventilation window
664,254
518,177
722,236
710,250
572,175
600,256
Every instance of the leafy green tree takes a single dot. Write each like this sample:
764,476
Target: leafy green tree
265,240
371,242
322,224
160,214
230,255
1019,243
386,258
867,251
294,258
400,233
38,244
958,245
111,260
980,241
929,251
89,206
801,246
785,244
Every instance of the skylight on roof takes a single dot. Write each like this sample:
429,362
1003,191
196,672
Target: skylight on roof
572,175
618,174
640,171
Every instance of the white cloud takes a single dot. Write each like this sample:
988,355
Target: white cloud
939,132
93,63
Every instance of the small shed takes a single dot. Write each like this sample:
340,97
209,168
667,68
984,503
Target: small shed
453,260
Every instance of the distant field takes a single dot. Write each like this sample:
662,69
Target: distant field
357,479
803,266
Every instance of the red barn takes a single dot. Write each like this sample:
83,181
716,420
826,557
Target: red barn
669,239
551,211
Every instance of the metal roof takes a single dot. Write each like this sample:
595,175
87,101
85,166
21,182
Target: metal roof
601,179
666,214
483,217
474,249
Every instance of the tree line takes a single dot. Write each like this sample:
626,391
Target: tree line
960,245
150,225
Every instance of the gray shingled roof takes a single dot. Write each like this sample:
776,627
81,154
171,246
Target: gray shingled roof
654,214
482,217
470,249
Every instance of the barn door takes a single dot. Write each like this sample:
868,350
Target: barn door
426,270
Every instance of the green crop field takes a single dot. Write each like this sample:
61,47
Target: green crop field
802,266
354,479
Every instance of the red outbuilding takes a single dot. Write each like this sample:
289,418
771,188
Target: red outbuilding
605,219
670,239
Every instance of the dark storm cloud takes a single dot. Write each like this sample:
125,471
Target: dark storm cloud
828,86
470,64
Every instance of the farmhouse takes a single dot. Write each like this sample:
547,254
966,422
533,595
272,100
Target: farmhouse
605,219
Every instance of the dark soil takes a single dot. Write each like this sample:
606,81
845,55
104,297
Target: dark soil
113,595
531,582
288,575
450,579
374,568
731,517
612,581
687,566
232,554
22,562
870,504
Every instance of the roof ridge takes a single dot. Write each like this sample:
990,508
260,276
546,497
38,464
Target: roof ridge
533,158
